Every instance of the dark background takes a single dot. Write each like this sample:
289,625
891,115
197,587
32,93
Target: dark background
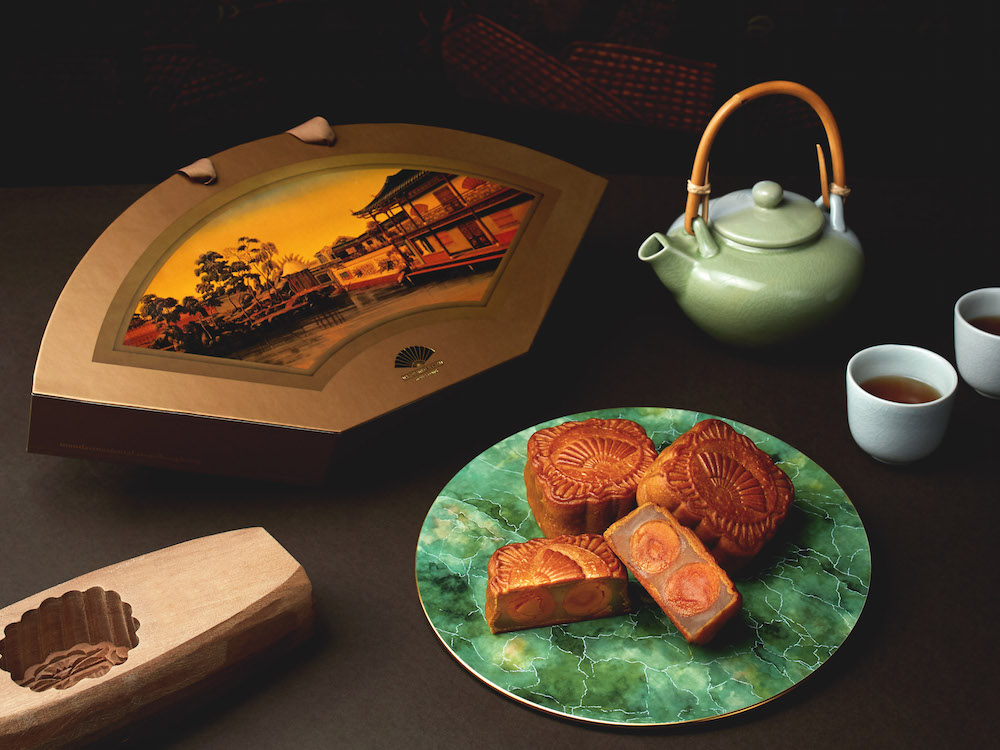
101,91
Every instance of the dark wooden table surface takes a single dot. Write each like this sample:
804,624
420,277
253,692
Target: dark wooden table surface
918,671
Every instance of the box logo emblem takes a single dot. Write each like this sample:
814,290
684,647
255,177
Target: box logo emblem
420,362
414,356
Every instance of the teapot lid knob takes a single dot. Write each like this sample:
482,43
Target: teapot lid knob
767,194
767,217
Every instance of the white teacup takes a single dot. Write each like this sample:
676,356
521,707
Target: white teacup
890,430
977,351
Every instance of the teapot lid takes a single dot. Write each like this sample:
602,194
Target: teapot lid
766,216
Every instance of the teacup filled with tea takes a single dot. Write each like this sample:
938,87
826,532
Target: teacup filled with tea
977,340
899,401
901,388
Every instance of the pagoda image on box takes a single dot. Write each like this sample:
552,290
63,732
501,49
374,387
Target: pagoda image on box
75,667
265,300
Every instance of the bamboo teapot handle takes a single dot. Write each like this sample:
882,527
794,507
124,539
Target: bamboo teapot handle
698,186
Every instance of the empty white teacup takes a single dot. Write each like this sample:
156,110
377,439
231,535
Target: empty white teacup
899,401
977,344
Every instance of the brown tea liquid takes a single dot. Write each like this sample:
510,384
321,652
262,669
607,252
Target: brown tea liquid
901,389
988,323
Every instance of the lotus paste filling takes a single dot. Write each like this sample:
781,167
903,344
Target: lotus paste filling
677,570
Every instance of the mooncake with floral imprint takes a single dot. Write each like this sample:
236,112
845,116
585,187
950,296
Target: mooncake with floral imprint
677,570
718,482
580,477
551,581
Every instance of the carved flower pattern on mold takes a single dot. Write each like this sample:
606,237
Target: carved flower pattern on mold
67,639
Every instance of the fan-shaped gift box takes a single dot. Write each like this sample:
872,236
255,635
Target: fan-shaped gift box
244,314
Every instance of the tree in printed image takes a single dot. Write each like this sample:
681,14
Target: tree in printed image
165,313
259,257
222,279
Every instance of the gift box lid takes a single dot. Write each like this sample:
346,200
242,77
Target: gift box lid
318,278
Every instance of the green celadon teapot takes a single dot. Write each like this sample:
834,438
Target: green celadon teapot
760,266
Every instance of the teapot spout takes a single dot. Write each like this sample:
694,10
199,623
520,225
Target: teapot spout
672,266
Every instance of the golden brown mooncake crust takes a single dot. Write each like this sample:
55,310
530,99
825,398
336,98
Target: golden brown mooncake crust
673,565
718,482
550,581
580,477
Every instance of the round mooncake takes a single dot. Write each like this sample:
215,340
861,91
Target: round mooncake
718,482
581,477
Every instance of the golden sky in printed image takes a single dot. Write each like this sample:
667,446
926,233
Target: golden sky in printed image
300,215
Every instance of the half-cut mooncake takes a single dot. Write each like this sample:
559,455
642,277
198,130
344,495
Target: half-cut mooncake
580,477
677,570
551,581
719,483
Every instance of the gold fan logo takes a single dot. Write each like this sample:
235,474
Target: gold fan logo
419,361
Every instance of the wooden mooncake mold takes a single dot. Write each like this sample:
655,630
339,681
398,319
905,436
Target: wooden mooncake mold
677,570
551,581
66,639
76,671
582,476
721,484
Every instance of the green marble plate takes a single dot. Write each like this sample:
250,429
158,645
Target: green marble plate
801,599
